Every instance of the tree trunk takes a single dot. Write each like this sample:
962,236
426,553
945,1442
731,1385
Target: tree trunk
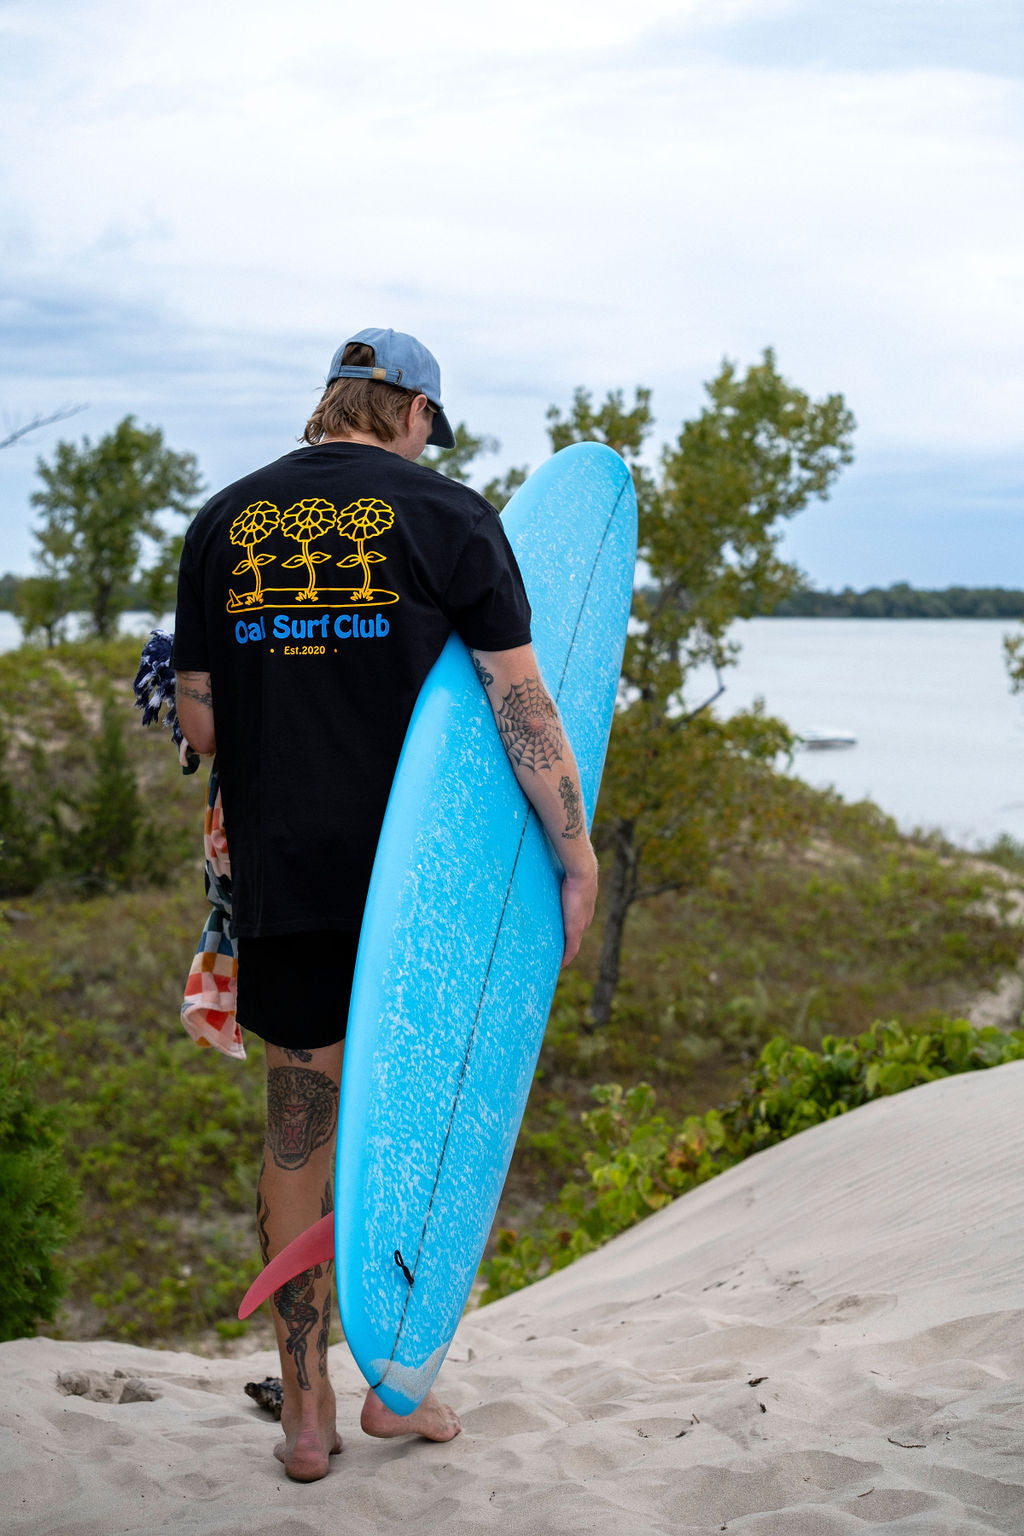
102,616
621,890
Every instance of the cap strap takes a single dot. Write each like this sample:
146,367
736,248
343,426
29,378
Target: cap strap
379,375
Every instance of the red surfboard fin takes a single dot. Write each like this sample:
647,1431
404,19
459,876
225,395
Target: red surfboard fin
314,1246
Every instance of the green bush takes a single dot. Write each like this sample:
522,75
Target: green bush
38,1197
27,825
88,801
104,849
638,1161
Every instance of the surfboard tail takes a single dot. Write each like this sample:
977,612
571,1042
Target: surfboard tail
314,1246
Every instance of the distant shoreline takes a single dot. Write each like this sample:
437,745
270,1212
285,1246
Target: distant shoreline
901,601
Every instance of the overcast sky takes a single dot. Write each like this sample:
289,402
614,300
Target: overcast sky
201,200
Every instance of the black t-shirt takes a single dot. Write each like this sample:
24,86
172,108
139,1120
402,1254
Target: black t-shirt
318,592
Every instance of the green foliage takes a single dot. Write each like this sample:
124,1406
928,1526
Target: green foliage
1013,649
502,488
163,1139
38,1198
455,462
42,604
902,601
173,1135
756,454
105,846
98,503
157,589
681,787
73,766
623,430
166,1139
27,832
638,1161
1006,851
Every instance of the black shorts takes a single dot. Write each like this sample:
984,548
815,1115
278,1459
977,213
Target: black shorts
294,988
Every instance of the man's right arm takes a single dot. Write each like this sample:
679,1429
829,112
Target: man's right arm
193,699
532,734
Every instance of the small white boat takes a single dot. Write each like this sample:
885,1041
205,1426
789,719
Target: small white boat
825,741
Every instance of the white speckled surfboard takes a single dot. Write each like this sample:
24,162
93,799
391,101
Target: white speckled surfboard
462,938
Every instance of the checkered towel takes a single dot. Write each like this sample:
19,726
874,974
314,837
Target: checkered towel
208,1007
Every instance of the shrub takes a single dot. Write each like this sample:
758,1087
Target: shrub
638,1161
104,850
38,1197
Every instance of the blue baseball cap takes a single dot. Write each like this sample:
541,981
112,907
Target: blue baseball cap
402,360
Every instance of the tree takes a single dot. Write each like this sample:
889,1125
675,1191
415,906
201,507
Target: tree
99,503
43,603
502,488
1013,648
158,587
454,462
105,849
682,786
27,817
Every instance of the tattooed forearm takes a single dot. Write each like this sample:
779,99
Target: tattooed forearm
573,808
487,678
195,685
302,1112
530,729
294,1302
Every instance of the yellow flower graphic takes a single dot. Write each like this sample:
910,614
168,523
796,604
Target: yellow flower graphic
306,521
255,524
365,519
359,521
249,528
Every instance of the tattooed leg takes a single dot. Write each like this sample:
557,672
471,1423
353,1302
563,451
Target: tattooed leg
295,1303
302,1112
323,1338
295,1191
298,1055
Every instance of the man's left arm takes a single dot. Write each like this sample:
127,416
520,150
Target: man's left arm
532,734
194,703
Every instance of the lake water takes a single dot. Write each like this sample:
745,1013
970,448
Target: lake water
940,738
129,624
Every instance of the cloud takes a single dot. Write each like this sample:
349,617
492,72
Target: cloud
205,199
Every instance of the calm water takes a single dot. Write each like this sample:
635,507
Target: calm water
130,624
940,738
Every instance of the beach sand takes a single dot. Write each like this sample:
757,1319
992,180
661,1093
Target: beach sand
828,1339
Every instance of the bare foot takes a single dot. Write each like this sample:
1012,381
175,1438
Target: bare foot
305,1454
433,1419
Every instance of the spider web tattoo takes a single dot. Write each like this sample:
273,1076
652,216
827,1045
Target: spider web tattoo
531,732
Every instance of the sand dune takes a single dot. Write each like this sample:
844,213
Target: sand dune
827,1340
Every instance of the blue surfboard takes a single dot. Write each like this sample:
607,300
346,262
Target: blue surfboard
462,939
